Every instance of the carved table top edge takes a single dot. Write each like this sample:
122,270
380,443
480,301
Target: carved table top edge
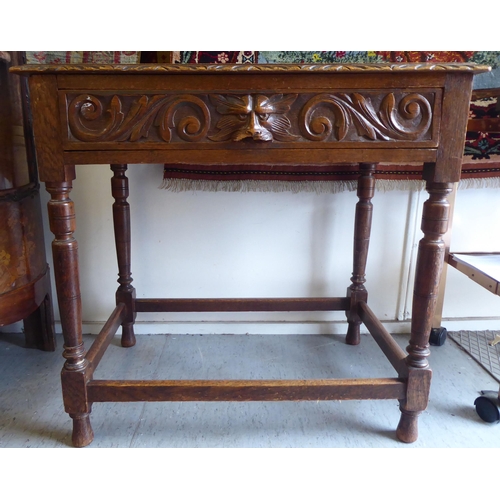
248,68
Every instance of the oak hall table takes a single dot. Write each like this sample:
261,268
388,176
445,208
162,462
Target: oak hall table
206,115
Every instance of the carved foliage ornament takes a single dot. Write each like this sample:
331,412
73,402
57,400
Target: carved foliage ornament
323,117
358,110
88,122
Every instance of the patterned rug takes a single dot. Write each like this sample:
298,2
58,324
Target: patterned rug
316,178
332,57
482,141
327,57
81,57
222,57
491,58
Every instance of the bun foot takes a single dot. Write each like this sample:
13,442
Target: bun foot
353,336
407,430
128,336
83,434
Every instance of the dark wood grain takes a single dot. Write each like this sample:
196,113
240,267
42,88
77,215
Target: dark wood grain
74,374
25,288
101,343
248,81
225,305
46,127
414,403
65,255
331,119
456,103
389,346
39,328
245,390
264,69
121,222
430,262
255,155
362,229
293,115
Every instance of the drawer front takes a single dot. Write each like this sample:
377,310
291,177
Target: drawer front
244,120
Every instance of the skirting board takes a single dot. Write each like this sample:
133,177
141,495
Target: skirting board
270,327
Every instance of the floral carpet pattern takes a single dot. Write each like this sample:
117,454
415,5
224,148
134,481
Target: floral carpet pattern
341,57
491,58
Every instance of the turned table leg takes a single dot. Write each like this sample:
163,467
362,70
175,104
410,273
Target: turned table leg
65,255
121,221
425,293
362,229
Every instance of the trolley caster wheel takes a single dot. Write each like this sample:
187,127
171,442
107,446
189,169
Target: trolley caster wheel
437,336
488,406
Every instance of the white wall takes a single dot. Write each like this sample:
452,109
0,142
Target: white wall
201,244
475,228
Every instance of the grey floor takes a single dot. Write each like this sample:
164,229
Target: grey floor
32,415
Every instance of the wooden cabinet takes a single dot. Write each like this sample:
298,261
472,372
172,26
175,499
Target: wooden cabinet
25,292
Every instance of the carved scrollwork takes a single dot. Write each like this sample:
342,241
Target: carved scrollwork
189,127
408,120
91,121
329,117
258,117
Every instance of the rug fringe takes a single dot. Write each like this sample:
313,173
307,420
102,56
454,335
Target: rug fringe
479,183
319,187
